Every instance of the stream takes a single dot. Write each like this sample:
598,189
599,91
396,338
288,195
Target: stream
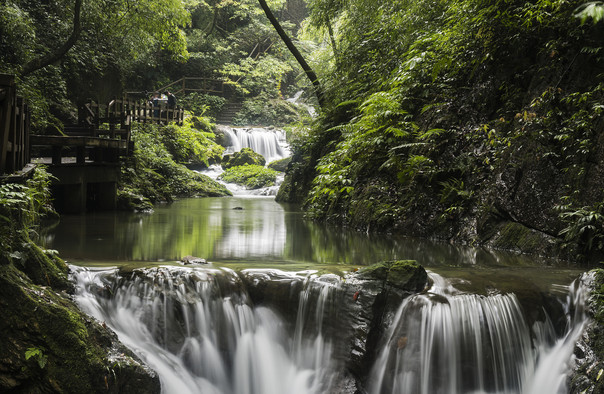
273,310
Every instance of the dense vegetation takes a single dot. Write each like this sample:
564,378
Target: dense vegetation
68,51
48,344
458,120
157,172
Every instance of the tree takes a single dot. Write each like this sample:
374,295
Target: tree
58,53
292,48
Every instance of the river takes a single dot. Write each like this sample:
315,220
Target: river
491,322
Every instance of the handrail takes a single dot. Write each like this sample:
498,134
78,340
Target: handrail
184,89
14,127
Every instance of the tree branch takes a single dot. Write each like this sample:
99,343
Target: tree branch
43,61
292,48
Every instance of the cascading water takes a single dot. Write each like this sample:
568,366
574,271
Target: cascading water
448,342
270,143
197,329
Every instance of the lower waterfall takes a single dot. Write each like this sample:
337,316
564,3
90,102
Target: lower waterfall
448,342
199,330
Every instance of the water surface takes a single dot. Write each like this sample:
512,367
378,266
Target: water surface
258,232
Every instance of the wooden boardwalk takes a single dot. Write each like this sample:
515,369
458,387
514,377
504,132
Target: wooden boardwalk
14,128
85,159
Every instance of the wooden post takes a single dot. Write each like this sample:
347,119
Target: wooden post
80,154
7,99
20,135
27,123
56,154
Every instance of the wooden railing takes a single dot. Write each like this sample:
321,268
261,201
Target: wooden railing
14,127
186,85
124,112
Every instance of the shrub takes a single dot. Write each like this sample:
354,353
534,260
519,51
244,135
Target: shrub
250,176
245,156
201,104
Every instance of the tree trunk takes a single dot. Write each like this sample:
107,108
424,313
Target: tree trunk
52,57
292,48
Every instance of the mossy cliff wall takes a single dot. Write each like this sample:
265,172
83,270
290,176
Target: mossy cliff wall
48,345
588,374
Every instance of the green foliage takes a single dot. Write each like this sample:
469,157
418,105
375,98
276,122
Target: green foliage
21,207
593,10
250,176
369,145
201,104
153,174
435,108
263,110
584,227
38,355
189,145
117,39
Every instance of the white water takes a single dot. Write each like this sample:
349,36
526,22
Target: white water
448,342
198,331
197,328
270,143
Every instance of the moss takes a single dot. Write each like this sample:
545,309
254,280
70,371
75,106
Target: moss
587,378
76,348
516,237
280,165
243,157
403,274
250,176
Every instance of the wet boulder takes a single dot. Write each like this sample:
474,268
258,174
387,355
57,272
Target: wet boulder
402,274
373,295
587,375
49,345
243,157
280,165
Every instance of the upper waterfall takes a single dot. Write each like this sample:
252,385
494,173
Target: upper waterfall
268,142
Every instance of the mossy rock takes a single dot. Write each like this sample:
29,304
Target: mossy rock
49,345
586,376
280,165
250,176
243,157
128,200
404,274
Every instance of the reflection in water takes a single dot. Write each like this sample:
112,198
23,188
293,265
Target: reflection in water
245,229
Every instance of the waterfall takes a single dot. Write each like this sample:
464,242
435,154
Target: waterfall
445,341
270,143
198,330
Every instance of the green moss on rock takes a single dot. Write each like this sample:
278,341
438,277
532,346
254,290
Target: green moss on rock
250,176
588,373
403,274
280,165
243,157
73,352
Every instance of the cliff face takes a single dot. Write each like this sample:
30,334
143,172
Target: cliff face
48,344
589,352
